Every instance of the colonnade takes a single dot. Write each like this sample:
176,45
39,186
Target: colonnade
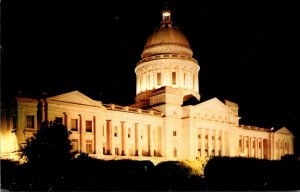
211,142
177,77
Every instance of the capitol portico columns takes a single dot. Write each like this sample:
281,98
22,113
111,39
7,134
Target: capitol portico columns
209,142
217,143
202,142
112,141
97,136
137,140
223,143
82,131
124,138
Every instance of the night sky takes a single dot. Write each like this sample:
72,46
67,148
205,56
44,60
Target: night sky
248,51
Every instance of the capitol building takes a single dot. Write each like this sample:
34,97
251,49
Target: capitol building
161,125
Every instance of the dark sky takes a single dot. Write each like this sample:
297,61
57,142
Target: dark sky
248,51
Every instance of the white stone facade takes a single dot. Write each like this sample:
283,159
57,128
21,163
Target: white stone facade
159,125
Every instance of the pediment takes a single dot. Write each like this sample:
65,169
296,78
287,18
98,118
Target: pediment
214,105
75,97
284,130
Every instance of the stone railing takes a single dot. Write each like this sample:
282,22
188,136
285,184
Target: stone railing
249,127
131,110
166,56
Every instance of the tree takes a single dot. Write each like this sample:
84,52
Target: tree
50,146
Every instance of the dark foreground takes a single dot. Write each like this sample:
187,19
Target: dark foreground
88,174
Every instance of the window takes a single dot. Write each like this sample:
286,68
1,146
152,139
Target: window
116,132
253,144
30,121
173,78
116,151
148,80
199,136
88,126
213,137
129,132
175,152
174,133
213,152
240,143
184,79
158,78
74,145
74,124
59,120
89,147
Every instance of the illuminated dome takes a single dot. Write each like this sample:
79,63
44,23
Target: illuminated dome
167,61
167,39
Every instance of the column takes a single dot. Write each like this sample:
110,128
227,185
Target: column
188,75
124,138
137,141
178,78
112,136
41,115
196,81
261,148
273,147
154,78
108,140
209,142
223,153
46,110
249,146
43,112
95,136
153,81
147,79
292,145
255,149
243,146
202,142
150,142
66,120
217,143
81,131
137,82
140,81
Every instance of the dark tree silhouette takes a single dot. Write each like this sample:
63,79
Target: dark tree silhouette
50,146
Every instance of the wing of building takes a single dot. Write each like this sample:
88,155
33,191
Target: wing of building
159,125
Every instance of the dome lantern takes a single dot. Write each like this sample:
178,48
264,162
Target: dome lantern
166,15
